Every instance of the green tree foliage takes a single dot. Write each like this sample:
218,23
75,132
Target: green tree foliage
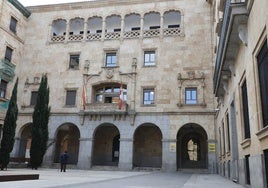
9,129
40,125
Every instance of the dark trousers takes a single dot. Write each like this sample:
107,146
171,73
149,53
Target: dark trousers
63,167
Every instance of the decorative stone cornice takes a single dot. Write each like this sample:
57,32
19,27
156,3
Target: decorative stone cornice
20,7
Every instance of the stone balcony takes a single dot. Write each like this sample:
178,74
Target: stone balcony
95,111
105,108
168,32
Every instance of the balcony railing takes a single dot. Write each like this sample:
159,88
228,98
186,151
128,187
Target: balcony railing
167,32
105,108
94,36
7,70
59,38
76,37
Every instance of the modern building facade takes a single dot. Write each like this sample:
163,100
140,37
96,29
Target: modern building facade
240,85
130,83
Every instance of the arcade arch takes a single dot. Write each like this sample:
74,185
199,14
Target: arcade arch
192,149
106,145
67,139
147,146
25,141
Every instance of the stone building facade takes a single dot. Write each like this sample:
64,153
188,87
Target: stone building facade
240,85
13,18
130,83
133,83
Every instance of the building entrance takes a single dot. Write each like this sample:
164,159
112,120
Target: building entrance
192,147
25,142
147,146
106,145
67,139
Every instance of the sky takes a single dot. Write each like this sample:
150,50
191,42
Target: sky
45,2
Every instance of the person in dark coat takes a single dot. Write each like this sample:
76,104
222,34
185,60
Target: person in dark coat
63,161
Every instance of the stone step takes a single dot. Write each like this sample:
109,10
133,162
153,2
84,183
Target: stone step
104,168
149,169
18,165
194,170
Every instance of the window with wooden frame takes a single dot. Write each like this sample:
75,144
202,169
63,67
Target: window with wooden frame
34,95
191,95
74,61
111,59
13,24
70,98
8,54
149,58
3,89
148,96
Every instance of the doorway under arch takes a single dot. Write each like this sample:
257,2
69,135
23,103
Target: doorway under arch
192,149
25,142
147,146
106,145
67,139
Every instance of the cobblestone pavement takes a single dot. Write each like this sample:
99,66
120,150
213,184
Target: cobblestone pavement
116,179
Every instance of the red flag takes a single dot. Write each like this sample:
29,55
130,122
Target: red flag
120,102
84,97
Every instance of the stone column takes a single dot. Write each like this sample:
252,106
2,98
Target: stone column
141,27
257,171
182,24
126,154
169,155
16,148
122,28
85,153
85,31
212,157
49,33
161,25
103,29
48,158
67,30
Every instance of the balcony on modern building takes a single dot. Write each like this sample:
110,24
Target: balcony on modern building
233,32
113,27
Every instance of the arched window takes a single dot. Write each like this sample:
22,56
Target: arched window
172,19
132,22
110,93
94,25
58,27
151,21
77,26
113,24
172,23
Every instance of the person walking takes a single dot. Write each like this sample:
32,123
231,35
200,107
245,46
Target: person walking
63,161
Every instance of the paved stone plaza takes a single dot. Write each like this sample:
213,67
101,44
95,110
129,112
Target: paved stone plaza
118,179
